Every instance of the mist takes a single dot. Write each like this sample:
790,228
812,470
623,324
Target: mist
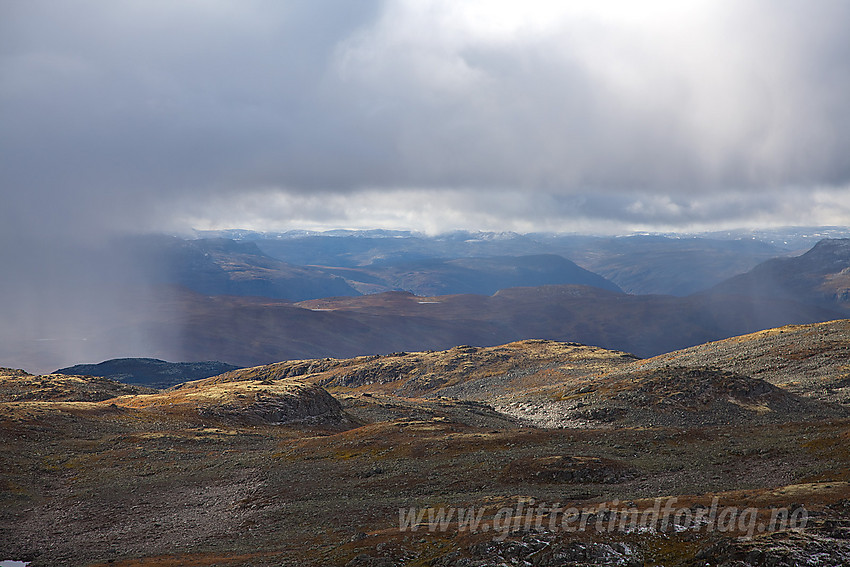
64,301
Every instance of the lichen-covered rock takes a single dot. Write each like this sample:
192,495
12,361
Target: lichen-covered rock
20,386
249,402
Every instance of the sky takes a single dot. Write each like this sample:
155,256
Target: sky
431,115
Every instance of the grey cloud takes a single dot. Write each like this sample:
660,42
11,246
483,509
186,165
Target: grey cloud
113,106
112,110
605,212
748,101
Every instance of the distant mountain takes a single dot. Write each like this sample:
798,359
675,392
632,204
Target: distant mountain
227,267
471,275
665,265
150,372
642,264
221,266
671,264
644,325
176,323
362,248
790,238
304,265
819,277
248,331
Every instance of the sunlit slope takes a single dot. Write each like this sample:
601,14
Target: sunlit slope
467,372
812,360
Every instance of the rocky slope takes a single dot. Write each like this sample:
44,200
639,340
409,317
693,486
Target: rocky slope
809,360
17,385
552,384
671,396
249,402
465,372
262,467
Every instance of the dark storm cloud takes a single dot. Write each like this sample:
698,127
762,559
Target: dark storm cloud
115,113
108,107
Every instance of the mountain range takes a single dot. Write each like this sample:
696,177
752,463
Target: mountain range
821,277
306,267
642,264
178,323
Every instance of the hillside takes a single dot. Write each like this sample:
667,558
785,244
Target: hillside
810,360
310,462
20,386
672,396
464,372
245,402
554,384
819,277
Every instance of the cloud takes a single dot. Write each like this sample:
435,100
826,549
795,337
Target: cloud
739,97
139,114
110,108
436,211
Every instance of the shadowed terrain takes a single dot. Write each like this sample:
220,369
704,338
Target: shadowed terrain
149,371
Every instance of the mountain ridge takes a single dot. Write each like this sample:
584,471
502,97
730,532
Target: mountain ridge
821,276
